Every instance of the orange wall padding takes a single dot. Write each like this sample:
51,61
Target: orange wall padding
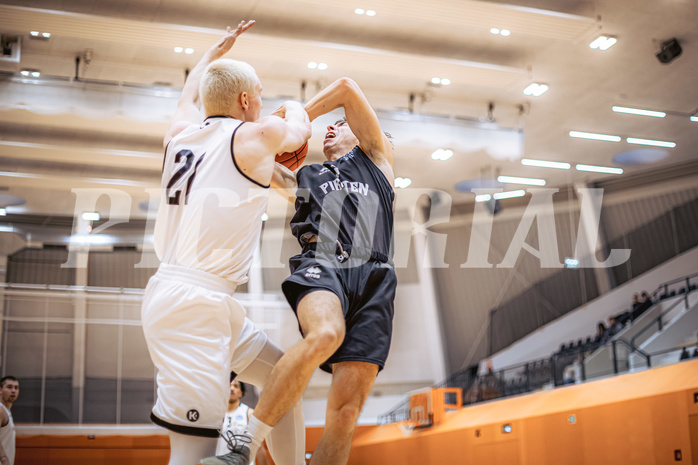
80,450
643,418
636,419
113,450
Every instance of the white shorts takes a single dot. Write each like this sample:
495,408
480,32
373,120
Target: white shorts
196,335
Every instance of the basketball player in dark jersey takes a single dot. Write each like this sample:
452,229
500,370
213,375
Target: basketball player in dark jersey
342,285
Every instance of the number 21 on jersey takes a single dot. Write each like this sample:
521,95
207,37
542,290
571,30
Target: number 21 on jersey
183,178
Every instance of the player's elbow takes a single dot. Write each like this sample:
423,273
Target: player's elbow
347,86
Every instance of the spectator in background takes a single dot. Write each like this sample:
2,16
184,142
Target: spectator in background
490,384
601,334
9,389
236,418
684,355
644,304
636,301
614,326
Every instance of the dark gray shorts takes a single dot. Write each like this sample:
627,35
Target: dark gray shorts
367,294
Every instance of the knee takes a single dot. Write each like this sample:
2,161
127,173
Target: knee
344,418
326,339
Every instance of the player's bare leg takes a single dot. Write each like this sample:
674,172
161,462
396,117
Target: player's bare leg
351,384
320,315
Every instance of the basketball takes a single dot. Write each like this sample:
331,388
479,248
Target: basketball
292,160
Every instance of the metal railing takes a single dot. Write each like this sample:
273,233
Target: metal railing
555,370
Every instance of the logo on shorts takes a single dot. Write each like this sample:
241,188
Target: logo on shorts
313,272
193,415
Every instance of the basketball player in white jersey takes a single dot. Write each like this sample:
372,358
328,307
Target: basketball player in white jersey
216,174
9,391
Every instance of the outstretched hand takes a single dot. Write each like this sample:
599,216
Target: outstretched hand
224,45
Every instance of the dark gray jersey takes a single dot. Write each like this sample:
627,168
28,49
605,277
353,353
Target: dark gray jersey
349,200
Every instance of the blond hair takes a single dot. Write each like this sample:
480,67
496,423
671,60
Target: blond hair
223,81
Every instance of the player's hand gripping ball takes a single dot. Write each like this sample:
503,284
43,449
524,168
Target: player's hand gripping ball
292,160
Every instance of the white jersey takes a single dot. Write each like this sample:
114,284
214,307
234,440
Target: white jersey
235,422
210,214
7,436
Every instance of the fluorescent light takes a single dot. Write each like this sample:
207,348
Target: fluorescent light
509,194
636,111
483,197
359,11
178,49
188,51
93,239
545,164
34,33
322,66
436,80
370,13
517,180
312,65
610,41
3,212
599,169
603,42
594,136
36,74
46,34
402,183
90,216
24,72
494,30
441,154
505,32
535,89
6,228
445,81
654,143
694,119
265,217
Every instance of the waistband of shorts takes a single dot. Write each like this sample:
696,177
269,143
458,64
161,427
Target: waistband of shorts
196,277
353,251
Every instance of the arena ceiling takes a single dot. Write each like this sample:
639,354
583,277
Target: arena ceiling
105,127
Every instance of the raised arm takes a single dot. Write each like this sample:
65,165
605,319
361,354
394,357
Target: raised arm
257,143
189,105
361,118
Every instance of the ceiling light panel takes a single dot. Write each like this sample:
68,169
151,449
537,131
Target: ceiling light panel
535,90
509,194
594,136
653,143
637,111
599,169
603,42
518,180
545,164
402,183
442,154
